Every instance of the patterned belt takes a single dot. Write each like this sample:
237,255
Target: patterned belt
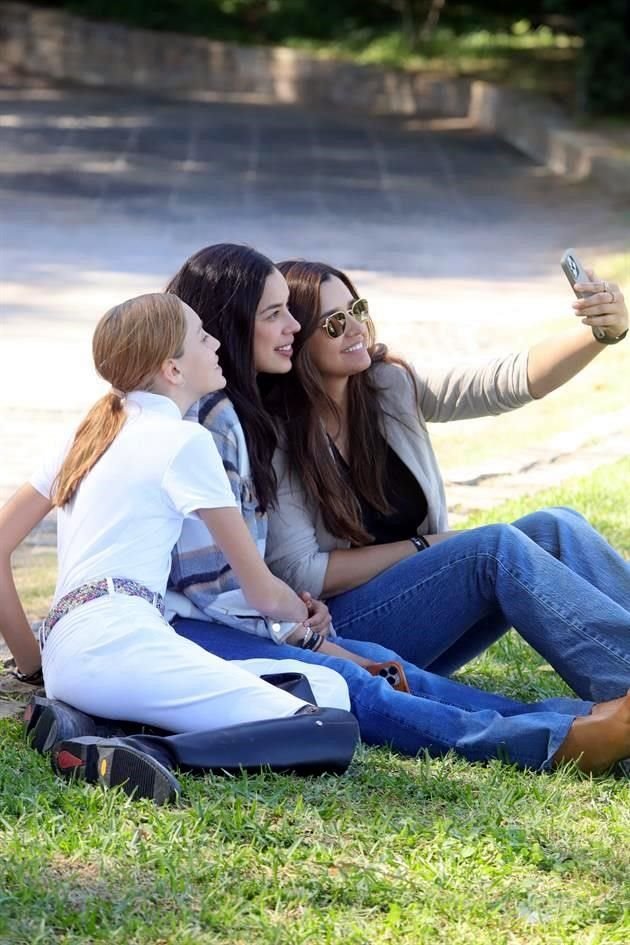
95,589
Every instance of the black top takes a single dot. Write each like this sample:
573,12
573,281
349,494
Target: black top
403,493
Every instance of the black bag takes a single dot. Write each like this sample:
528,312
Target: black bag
294,683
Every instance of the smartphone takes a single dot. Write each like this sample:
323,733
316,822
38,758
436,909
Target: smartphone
575,272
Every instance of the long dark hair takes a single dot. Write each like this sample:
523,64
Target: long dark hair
224,284
300,402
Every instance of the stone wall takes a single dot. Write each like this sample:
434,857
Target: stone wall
68,48
65,47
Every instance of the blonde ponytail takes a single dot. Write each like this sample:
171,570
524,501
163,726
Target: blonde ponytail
94,436
130,344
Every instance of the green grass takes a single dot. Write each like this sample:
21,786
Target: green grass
35,573
405,851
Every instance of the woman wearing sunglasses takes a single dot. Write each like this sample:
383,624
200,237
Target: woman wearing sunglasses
242,298
361,513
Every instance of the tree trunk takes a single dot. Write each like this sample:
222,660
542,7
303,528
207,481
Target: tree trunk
432,19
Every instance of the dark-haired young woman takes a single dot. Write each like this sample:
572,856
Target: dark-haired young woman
361,512
242,300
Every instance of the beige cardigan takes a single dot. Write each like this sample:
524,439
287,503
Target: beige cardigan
298,543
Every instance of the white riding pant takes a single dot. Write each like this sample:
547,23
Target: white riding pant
117,657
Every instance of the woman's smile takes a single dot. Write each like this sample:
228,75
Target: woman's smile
286,350
353,348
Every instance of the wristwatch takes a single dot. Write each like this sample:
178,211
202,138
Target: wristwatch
35,678
610,339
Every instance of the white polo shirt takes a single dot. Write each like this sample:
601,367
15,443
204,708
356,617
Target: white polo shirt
127,514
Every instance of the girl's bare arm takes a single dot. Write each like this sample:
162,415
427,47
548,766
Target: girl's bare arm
17,518
263,591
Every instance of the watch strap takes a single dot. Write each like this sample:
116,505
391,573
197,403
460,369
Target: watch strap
610,339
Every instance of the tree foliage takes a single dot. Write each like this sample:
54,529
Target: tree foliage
604,64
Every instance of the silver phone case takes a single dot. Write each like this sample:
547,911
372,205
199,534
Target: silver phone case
575,272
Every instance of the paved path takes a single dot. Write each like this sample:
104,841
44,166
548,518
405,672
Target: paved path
453,235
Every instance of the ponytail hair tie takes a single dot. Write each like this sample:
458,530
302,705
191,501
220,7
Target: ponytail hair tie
118,393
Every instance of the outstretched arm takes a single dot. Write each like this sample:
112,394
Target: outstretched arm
17,518
555,361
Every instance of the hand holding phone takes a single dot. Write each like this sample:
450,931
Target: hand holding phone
575,272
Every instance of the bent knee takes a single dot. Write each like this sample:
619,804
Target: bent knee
549,519
491,537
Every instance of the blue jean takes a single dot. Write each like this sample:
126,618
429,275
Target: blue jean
439,715
550,575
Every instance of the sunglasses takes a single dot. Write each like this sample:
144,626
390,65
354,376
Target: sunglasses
335,324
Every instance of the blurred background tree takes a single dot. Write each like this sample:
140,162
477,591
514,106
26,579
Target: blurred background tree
603,67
